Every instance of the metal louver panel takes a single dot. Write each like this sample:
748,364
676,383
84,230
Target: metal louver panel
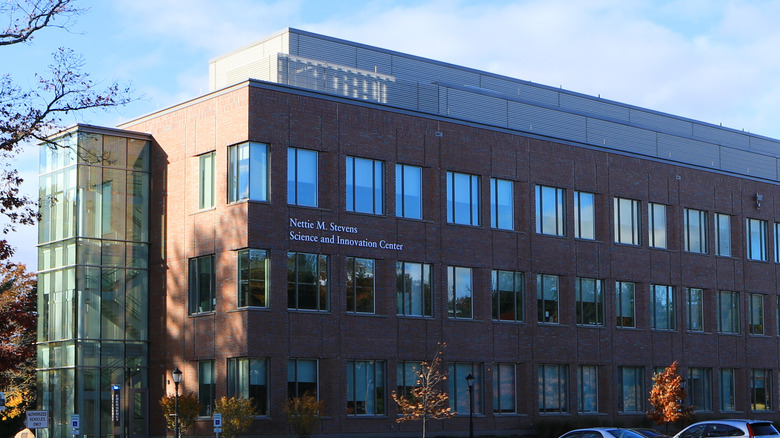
540,120
686,150
621,137
592,106
748,163
721,136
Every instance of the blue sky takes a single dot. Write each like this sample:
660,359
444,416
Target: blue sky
711,60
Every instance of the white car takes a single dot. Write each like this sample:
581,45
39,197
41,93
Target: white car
730,428
602,432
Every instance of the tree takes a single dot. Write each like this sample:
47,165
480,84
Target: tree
237,415
189,409
667,397
30,115
426,400
303,413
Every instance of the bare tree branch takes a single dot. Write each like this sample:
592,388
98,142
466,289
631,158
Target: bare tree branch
28,17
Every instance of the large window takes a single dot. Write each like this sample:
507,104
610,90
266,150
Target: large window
365,387
590,301
756,323
459,389
202,285
662,314
584,216
728,312
206,181
694,309
699,388
407,378
248,172
695,225
627,223
631,389
501,204
550,211
302,175
761,390
414,289
252,278
588,393
657,215
504,388
248,378
553,388
365,185
777,242
307,281
722,234
360,285
301,377
507,296
727,387
408,191
755,232
462,199
624,302
207,384
547,298
459,292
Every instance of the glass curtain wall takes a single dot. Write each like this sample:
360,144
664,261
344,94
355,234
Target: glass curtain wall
93,282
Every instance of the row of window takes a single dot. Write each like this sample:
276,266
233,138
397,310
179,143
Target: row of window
366,384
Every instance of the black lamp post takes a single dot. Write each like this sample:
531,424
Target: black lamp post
176,380
470,383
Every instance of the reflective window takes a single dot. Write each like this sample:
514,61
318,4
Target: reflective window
459,389
722,235
365,387
252,278
202,287
584,216
727,387
507,296
365,185
414,288
553,388
459,292
761,390
657,225
695,226
694,321
662,307
504,388
624,300
631,389
307,281
462,199
248,378
588,393
408,191
206,181
550,211
755,231
627,224
728,312
360,285
302,176
207,384
699,388
248,172
407,378
302,378
756,323
590,301
547,298
501,204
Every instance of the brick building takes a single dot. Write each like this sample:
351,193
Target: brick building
331,212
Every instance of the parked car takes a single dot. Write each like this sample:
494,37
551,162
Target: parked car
602,432
730,428
649,433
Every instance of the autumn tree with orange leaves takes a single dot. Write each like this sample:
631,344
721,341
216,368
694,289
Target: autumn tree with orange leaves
667,397
426,400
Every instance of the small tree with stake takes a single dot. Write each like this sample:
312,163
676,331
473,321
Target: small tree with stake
667,397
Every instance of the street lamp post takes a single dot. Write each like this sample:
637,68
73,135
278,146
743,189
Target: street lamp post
470,383
176,380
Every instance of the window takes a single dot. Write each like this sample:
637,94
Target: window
414,289
695,225
624,300
699,388
550,211
631,389
662,314
547,298
248,378
657,217
301,377
407,378
307,281
408,191
459,389
777,242
553,388
365,185
252,278
588,393
777,318
206,181
727,387
462,199
248,172
694,299
206,387
590,301
365,387
761,390
756,325
459,292
728,312
302,176
507,296
202,284
627,225
722,235
584,216
360,285
501,204
755,230
504,388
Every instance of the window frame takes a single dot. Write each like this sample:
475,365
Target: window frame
244,180
500,398
656,215
245,298
542,308
756,321
237,388
294,184
206,389
727,389
354,289
374,383
663,315
454,214
321,285
198,293
355,174
584,219
753,227
597,303
499,219
728,323
639,394
695,231
584,398
453,292
458,388
768,389
207,180
402,197
406,296
550,223
694,309
620,302
558,384
632,208
700,388
517,295
722,234
294,382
